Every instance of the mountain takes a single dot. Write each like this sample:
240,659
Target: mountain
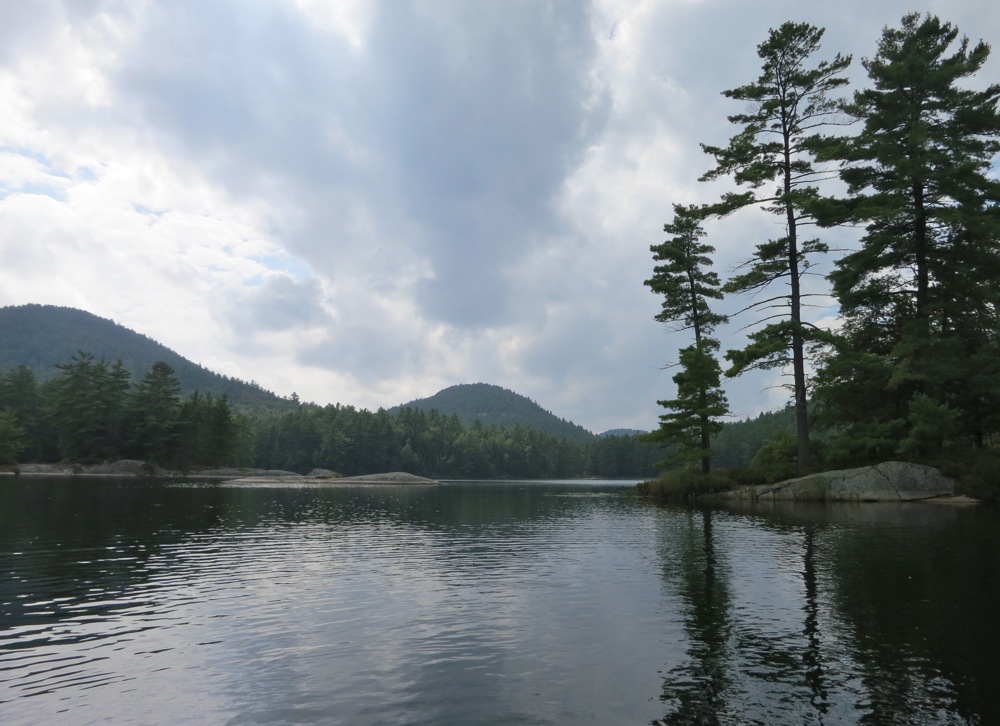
40,336
620,432
491,404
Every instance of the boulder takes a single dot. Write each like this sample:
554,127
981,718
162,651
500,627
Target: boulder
890,481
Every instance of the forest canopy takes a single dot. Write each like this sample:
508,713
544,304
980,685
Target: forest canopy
909,163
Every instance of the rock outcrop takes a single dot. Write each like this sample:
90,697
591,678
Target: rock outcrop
297,480
890,481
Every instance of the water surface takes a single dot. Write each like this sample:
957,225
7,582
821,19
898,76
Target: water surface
537,603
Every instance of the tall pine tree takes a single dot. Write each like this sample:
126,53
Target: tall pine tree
687,286
919,297
773,155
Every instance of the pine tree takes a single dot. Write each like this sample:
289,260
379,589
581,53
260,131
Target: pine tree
687,286
12,438
154,415
85,407
921,290
790,103
20,395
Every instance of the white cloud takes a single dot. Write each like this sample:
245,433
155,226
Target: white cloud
366,202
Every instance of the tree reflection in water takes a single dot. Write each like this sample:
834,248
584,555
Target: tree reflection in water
696,689
799,614
744,664
812,659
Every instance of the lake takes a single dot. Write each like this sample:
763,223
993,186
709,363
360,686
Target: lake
132,601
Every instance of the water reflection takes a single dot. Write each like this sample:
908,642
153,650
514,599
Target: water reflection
696,688
812,658
461,604
834,614
526,603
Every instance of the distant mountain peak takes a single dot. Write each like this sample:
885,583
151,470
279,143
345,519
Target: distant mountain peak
495,405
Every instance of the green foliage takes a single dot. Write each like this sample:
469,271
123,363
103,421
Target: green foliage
773,155
21,395
776,460
928,425
693,416
85,406
916,367
686,286
41,336
683,279
686,485
428,443
90,413
153,416
11,438
977,475
614,457
493,405
739,441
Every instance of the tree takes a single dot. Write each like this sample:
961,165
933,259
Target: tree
153,415
921,290
11,438
686,286
790,103
85,407
21,395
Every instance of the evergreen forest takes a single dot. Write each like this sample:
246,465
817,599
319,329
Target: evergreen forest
905,169
92,412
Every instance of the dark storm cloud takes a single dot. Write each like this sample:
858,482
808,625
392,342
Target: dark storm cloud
460,118
485,109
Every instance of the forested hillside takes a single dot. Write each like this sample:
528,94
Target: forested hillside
739,441
41,336
86,407
496,406
94,411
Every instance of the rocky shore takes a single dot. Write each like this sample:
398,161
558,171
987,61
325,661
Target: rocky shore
890,481
136,468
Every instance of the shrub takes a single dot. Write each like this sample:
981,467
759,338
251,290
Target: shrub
685,485
776,460
977,475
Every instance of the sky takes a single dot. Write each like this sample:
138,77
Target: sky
365,202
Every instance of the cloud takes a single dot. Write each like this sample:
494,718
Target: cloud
456,121
365,202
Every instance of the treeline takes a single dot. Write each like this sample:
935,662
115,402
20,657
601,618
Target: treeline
93,412
491,404
354,441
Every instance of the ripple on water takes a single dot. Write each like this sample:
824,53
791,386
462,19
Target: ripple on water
501,604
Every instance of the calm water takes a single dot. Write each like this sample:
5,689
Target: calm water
487,603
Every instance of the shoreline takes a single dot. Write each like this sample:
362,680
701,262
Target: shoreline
135,469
